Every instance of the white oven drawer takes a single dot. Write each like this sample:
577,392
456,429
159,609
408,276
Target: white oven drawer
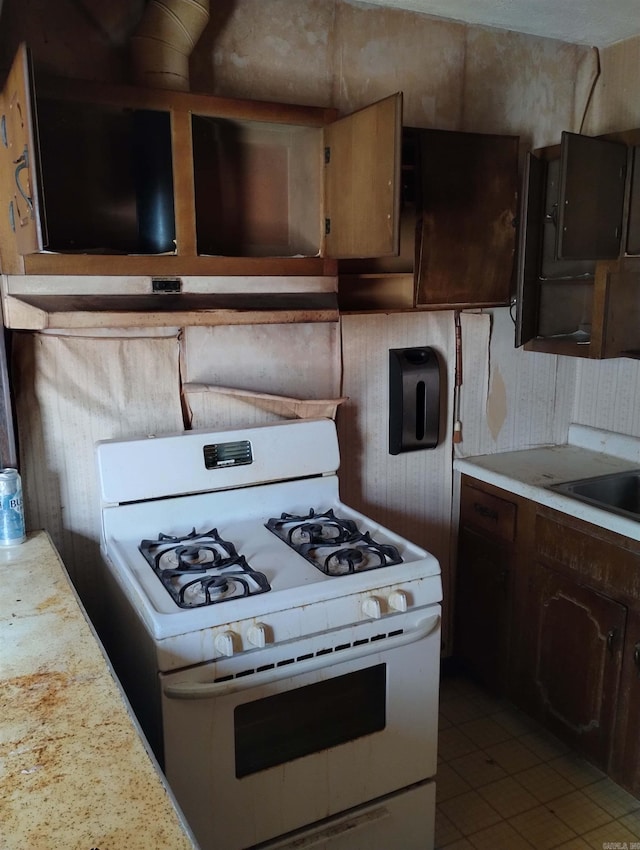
404,820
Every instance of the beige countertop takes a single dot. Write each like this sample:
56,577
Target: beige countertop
75,772
588,452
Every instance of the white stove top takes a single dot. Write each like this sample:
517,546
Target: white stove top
294,581
134,470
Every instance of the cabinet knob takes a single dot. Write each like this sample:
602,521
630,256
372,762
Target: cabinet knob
398,600
636,656
371,608
257,635
224,643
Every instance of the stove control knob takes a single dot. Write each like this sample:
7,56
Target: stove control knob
257,635
398,601
371,608
224,643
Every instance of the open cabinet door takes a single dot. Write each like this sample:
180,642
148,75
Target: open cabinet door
591,196
529,241
362,181
19,150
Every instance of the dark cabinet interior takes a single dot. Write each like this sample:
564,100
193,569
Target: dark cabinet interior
105,179
577,276
486,584
482,624
633,232
547,613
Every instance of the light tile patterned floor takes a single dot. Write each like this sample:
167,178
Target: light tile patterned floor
504,783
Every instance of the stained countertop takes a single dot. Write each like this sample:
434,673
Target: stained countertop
75,771
588,452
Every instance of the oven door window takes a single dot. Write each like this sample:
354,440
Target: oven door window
283,727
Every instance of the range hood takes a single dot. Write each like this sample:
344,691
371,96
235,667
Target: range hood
60,302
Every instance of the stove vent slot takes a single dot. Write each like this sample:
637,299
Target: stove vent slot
223,455
327,650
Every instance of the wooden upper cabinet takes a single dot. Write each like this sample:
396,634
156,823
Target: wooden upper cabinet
458,204
466,236
163,183
577,278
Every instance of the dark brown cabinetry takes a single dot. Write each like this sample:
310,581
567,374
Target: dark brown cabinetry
578,269
457,231
549,614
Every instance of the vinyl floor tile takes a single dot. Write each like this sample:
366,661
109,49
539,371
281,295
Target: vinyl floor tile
449,783
579,812
470,812
612,798
477,768
508,797
501,835
505,783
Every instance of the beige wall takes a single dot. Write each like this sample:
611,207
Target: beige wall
616,103
324,52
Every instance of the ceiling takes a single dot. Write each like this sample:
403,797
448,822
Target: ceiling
592,22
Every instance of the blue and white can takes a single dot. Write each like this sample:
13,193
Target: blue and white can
11,509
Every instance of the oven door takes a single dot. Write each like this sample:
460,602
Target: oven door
274,740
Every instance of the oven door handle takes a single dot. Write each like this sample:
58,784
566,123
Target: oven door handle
209,690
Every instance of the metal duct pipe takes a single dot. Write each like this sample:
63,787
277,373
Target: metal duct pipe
164,40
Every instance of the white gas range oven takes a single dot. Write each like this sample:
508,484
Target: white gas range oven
280,649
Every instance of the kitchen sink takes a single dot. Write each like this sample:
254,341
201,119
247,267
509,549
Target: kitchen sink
618,492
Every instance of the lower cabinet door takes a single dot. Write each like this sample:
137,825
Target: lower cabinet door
579,639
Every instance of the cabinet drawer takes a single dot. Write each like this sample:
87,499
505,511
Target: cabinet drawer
488,512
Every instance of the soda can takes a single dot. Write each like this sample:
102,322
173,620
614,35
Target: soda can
11,509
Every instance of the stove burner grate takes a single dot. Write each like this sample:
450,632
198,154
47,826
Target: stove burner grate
200,569
333,544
